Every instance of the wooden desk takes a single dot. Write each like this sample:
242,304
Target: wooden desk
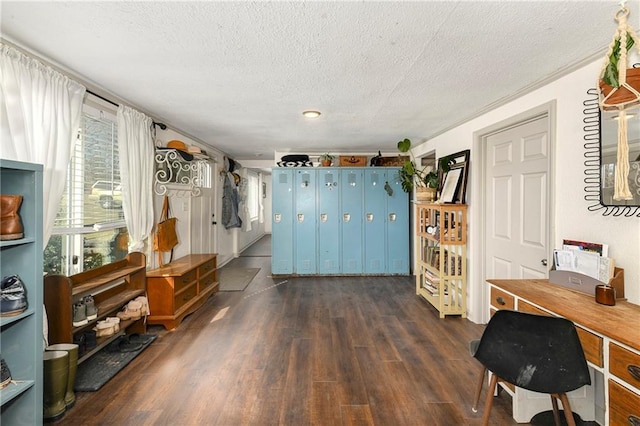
179,288
610,336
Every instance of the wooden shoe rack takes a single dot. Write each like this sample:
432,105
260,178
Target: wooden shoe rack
112,287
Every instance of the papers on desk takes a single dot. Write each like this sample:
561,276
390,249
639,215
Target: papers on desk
589,263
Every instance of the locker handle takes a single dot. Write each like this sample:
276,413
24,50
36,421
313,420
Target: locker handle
369,217
300,217
346,217
277,217
392,217
323,217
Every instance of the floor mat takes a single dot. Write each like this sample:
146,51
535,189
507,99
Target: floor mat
103,365
236,279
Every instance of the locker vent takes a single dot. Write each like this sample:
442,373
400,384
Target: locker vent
283,178
328,179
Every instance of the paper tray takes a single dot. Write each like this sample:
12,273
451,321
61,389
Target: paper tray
585,284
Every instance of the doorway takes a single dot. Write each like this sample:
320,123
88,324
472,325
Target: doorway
514,211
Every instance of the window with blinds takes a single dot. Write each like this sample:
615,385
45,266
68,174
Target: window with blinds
89,228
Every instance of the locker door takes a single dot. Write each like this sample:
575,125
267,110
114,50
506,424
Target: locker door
375,203
282,221
351,220
397,226
329,221
305,221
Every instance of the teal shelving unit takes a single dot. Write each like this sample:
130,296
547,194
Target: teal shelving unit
21,343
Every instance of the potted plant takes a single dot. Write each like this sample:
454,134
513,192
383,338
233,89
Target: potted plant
410,175
614,94
326,159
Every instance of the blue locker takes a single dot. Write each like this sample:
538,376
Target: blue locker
304,220
282,221
375,208
351,196
329,221
397,226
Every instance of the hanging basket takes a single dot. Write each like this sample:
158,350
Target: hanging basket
627,94
622,97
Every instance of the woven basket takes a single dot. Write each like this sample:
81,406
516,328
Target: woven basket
623,95
425,194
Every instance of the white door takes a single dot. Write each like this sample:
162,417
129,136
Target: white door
517,201
203,208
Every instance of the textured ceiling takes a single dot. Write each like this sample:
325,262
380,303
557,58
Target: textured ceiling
238,75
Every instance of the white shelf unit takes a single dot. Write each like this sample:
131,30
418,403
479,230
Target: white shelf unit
441,256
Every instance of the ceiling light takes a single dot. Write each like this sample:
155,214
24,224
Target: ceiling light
311,114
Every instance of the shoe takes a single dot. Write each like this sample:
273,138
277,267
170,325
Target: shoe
133,311
90,339
122,344
5,374
116,323
80,340
79,314
13,297
10,222
144,310
90,307
105,328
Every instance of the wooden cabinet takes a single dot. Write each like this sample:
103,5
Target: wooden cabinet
441,256
180,288
610,342
112,287
21,335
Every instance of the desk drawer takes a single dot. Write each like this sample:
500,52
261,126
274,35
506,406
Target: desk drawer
592,347
501,300
527,307
184,280
624,364
624,406
184,296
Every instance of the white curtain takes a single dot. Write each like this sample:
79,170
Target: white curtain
40,112
260,203
137,151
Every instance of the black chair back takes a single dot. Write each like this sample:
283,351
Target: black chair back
534,352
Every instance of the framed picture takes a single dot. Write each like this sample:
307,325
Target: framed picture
451,185
458,163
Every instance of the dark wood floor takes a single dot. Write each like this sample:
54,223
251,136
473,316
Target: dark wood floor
300,351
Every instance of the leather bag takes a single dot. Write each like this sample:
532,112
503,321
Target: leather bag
165,238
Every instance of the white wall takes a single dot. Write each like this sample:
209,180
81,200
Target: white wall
571,217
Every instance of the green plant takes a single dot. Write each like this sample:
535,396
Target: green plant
410,175
326,157
611,71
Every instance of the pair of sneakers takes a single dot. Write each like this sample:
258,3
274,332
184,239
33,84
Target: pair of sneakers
13,296
86,341
107,327
84,311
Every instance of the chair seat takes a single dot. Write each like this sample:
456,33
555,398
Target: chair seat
534,352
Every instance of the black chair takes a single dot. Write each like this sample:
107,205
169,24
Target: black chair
535,352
